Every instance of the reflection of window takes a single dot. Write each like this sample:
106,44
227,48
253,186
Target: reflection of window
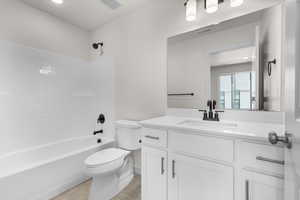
235,90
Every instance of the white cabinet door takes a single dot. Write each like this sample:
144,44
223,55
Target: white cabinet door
195,179
154,174
257,186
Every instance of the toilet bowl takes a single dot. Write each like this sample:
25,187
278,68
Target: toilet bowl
106,161
112,169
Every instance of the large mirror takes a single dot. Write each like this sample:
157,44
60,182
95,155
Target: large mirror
237,63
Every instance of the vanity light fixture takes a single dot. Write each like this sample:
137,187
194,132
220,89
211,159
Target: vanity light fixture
191,10
236,3
212,6
58,1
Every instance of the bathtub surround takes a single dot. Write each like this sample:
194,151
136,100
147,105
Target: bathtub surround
47,101
51,95
46,97
50,90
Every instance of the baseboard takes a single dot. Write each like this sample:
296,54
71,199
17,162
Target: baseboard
55,191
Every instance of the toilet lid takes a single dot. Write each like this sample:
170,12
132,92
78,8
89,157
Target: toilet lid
105,156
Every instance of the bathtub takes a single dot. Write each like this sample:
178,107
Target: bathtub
43,172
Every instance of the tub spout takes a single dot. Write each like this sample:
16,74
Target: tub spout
97,132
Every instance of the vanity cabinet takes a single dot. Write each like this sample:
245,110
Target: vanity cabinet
154,174
188,165
257,186
191,178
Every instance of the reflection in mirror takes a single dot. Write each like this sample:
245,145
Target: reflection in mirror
233,79
228,62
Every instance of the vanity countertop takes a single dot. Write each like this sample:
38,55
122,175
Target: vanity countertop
232,129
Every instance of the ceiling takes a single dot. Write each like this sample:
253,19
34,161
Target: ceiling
86,14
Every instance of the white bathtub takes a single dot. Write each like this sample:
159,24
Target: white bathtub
42,172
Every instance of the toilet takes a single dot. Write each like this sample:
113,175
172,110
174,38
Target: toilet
112,169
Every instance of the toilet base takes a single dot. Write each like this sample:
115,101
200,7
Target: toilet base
107,186
104,187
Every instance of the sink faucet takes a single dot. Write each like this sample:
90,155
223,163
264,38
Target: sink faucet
211,104
212,114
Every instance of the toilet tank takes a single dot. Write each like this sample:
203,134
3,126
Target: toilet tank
128,134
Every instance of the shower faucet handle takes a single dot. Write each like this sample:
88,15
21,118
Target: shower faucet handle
101,119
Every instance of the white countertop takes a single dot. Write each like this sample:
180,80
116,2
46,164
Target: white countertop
241,130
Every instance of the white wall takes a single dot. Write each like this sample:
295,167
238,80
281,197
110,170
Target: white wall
29,26
137,45
271,47
189,63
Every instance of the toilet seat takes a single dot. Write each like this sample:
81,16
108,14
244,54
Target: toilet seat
106,160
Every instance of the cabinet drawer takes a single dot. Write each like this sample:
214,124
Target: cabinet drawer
261,157
155,137
204,146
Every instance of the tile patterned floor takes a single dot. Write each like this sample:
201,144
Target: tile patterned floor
81,192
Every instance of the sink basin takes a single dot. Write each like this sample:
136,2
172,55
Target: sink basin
208,124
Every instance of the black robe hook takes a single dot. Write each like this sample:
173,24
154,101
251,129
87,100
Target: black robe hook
270,66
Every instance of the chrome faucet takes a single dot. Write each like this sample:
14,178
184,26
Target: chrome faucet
212,114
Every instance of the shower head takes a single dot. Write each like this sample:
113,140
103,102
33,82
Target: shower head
96,45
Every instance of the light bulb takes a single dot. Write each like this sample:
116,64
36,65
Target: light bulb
191,10
212,6
236,3
58,1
